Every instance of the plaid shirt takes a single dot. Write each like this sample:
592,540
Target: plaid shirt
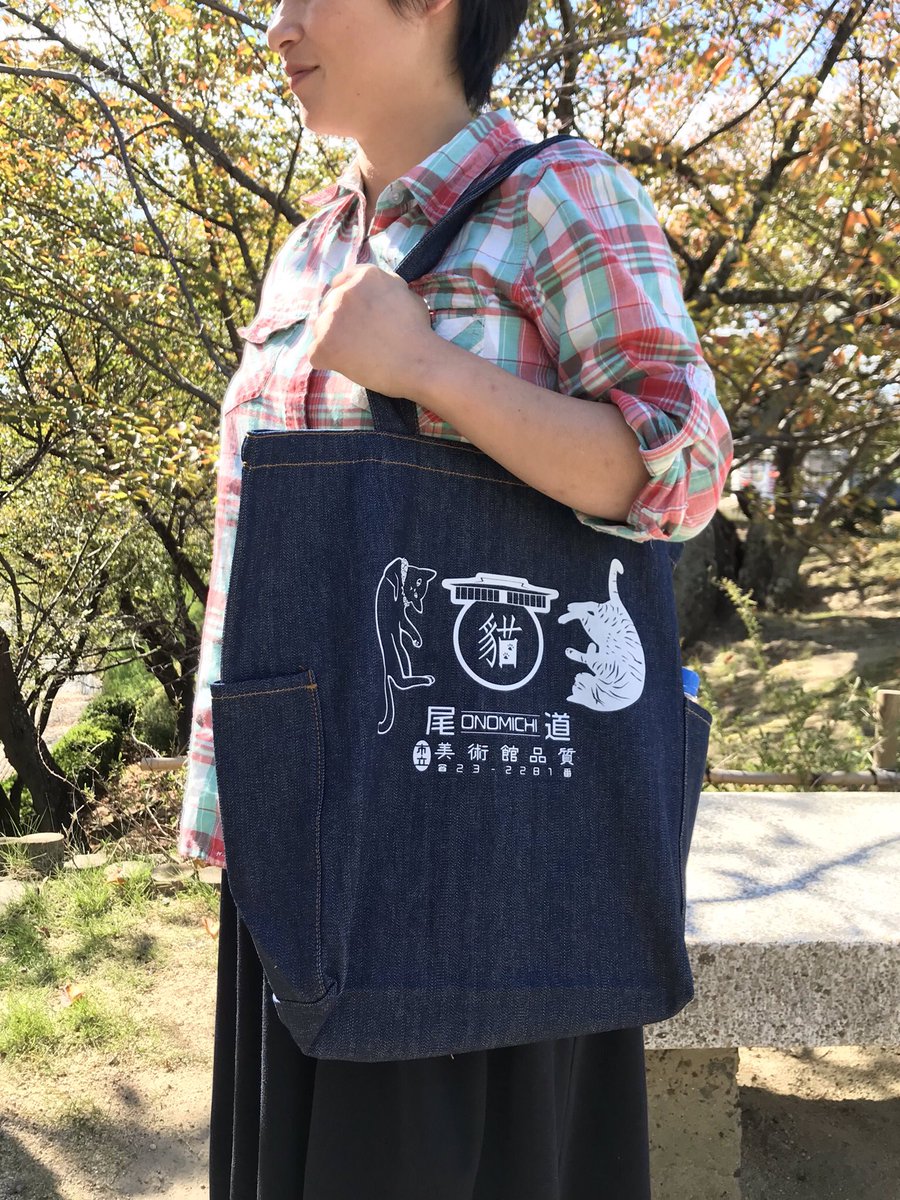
563,276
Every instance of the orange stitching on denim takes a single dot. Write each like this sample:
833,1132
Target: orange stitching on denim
701,716
319,797
400,437
271,692
349,462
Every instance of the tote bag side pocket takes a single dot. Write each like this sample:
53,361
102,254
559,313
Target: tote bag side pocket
270,764
697,723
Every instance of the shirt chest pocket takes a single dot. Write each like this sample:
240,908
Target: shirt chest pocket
459,306
485,320
273,354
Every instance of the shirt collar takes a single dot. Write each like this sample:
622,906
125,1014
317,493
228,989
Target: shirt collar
439,179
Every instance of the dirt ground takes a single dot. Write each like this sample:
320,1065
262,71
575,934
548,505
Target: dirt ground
820,1124
131,1123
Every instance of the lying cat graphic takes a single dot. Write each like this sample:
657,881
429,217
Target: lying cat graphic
615,656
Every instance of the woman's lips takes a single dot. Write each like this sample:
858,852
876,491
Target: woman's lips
296,76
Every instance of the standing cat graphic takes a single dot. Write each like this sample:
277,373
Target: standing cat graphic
402,587
615,656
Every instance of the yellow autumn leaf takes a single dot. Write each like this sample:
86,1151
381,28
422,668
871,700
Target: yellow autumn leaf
178,12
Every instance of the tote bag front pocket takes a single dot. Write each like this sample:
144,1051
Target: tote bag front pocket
270,768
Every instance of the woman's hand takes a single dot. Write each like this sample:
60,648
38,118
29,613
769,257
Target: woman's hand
373,329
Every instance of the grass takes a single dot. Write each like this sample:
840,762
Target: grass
74,950
797,691
15,861
84,1115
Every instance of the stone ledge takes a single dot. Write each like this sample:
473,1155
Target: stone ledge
791,925
825,994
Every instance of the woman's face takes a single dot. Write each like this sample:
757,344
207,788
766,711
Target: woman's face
369,62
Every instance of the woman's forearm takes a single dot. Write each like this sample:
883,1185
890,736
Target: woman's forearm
578,451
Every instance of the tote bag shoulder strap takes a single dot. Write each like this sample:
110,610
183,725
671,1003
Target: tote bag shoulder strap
430,248
398,415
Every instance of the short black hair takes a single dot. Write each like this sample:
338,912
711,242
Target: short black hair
486,31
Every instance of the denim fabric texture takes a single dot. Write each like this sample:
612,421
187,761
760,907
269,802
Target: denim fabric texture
458,773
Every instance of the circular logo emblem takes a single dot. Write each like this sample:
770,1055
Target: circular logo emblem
497,635
421,755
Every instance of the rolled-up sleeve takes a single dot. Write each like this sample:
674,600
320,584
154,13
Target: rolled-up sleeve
600,282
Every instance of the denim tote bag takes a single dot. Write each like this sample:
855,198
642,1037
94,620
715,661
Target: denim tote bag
457,769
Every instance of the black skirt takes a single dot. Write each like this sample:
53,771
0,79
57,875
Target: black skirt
564,1119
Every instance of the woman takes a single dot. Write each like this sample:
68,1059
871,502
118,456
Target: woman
526,325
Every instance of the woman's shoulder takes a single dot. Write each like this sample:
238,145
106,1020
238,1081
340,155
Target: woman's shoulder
573,169
569,154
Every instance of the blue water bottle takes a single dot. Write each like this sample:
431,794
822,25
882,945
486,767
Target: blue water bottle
691,682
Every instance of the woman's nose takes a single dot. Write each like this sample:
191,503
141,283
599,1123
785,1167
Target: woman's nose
280,32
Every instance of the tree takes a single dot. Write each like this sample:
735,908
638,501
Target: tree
137,224
768,139
149,165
